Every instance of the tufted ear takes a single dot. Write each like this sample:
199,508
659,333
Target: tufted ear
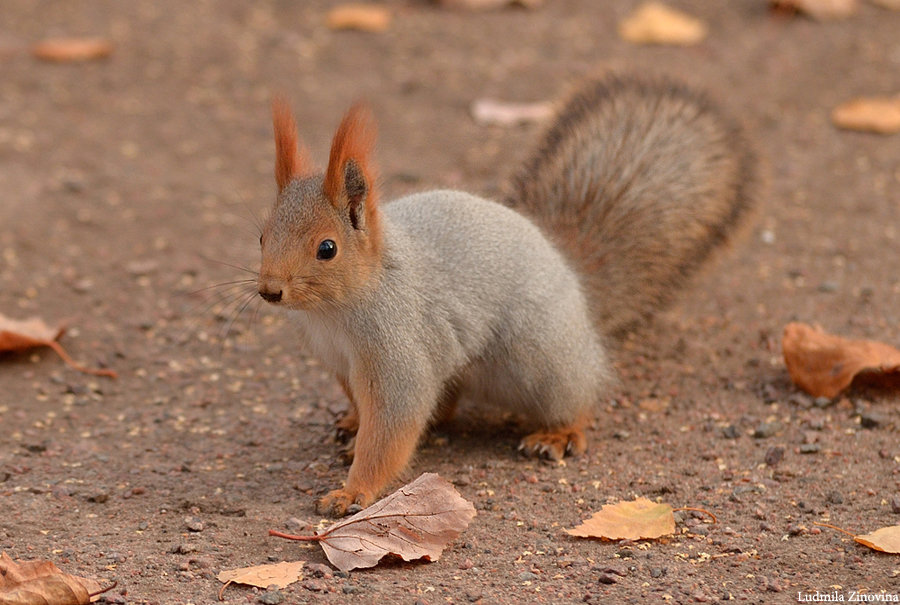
350,178
290,160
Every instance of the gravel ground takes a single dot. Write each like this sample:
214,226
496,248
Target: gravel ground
131,183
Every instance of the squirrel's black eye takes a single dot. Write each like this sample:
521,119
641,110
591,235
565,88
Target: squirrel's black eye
327,250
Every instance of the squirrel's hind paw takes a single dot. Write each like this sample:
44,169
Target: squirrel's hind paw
347,427
555,443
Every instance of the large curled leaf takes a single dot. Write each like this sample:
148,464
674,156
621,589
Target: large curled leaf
415,522
42,583
823,365
640,519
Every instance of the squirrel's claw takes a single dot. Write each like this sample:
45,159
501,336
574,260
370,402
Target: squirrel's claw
554,444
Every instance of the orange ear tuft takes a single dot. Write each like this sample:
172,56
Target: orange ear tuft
354,140
290,160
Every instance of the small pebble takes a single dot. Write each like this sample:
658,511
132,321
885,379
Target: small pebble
527,576
895,504
868,420
271,597
765,430
99,497
350,589
657,572
774,455
823,402
315,585
606,578
194,524
474,595
809,448
731,432
318,570
834,497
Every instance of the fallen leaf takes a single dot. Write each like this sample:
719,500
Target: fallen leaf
822,10
42,583
640,519
262,576
872,114
656,23
488,4
489,111
18,336
823,364
67,50
886,539
362,17
415,522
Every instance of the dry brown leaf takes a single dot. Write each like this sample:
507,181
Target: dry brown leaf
65,50
415,522
656,23
823,364
362,17
42,583
262,576
489,111
17,336
488,4
886,539
822,10
640,519
872,114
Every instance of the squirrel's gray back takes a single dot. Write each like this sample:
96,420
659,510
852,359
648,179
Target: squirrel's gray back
636,181
492,288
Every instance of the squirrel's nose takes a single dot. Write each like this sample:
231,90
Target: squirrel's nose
269,296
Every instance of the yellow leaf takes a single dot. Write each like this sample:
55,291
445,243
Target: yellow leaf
635,520
872,114
67,50
263,576
362,17
656,23
886,539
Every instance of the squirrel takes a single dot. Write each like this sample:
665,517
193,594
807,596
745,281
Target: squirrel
441,295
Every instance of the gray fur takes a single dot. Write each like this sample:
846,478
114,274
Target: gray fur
474,297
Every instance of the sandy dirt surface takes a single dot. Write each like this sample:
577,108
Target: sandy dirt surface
128,184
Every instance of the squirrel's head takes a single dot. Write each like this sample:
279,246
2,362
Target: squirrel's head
322,241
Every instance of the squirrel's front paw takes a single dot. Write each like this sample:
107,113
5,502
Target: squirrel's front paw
338,502
554,444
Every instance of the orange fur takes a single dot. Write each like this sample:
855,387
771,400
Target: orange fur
353,140
290,160
384,446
